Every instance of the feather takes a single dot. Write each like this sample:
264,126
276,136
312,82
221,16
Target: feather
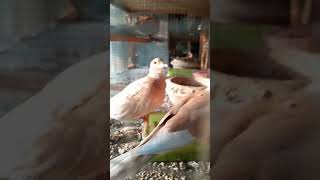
127,164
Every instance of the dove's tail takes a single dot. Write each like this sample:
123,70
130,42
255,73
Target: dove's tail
127,164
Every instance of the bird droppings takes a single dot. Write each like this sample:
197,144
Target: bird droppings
126,135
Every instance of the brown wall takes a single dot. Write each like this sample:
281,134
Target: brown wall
316,10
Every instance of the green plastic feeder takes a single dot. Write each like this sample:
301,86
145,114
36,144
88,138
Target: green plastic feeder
245,37
172,72
189,152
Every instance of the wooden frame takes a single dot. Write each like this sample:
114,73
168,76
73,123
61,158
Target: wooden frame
190,7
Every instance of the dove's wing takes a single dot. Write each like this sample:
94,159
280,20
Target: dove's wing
181,128
136,100
192,113
272,140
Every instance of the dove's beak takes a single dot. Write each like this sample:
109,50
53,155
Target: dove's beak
165,68
165,65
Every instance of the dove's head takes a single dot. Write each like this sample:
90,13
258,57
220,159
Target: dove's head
157,68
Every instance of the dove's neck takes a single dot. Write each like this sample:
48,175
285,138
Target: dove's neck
157,74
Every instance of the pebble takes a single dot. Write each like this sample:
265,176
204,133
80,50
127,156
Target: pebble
161,164
121,151
193,164
154,164
182,166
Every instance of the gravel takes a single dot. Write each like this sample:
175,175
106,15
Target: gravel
127,135
174,171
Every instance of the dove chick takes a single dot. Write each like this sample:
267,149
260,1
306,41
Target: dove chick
142,96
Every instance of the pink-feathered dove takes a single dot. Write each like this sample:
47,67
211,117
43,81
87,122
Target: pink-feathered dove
142,96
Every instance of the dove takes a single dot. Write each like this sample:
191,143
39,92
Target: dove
142,96
60,132
183,124
268,139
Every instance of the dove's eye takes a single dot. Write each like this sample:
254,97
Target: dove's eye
155,62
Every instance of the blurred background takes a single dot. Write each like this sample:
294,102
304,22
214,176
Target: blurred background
263,47
39,39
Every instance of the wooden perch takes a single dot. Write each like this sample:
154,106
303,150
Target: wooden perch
306,11
295,13
300,13
131,58
204,57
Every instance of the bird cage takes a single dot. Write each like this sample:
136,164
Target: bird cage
134,57
117,16
134,45
118,56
